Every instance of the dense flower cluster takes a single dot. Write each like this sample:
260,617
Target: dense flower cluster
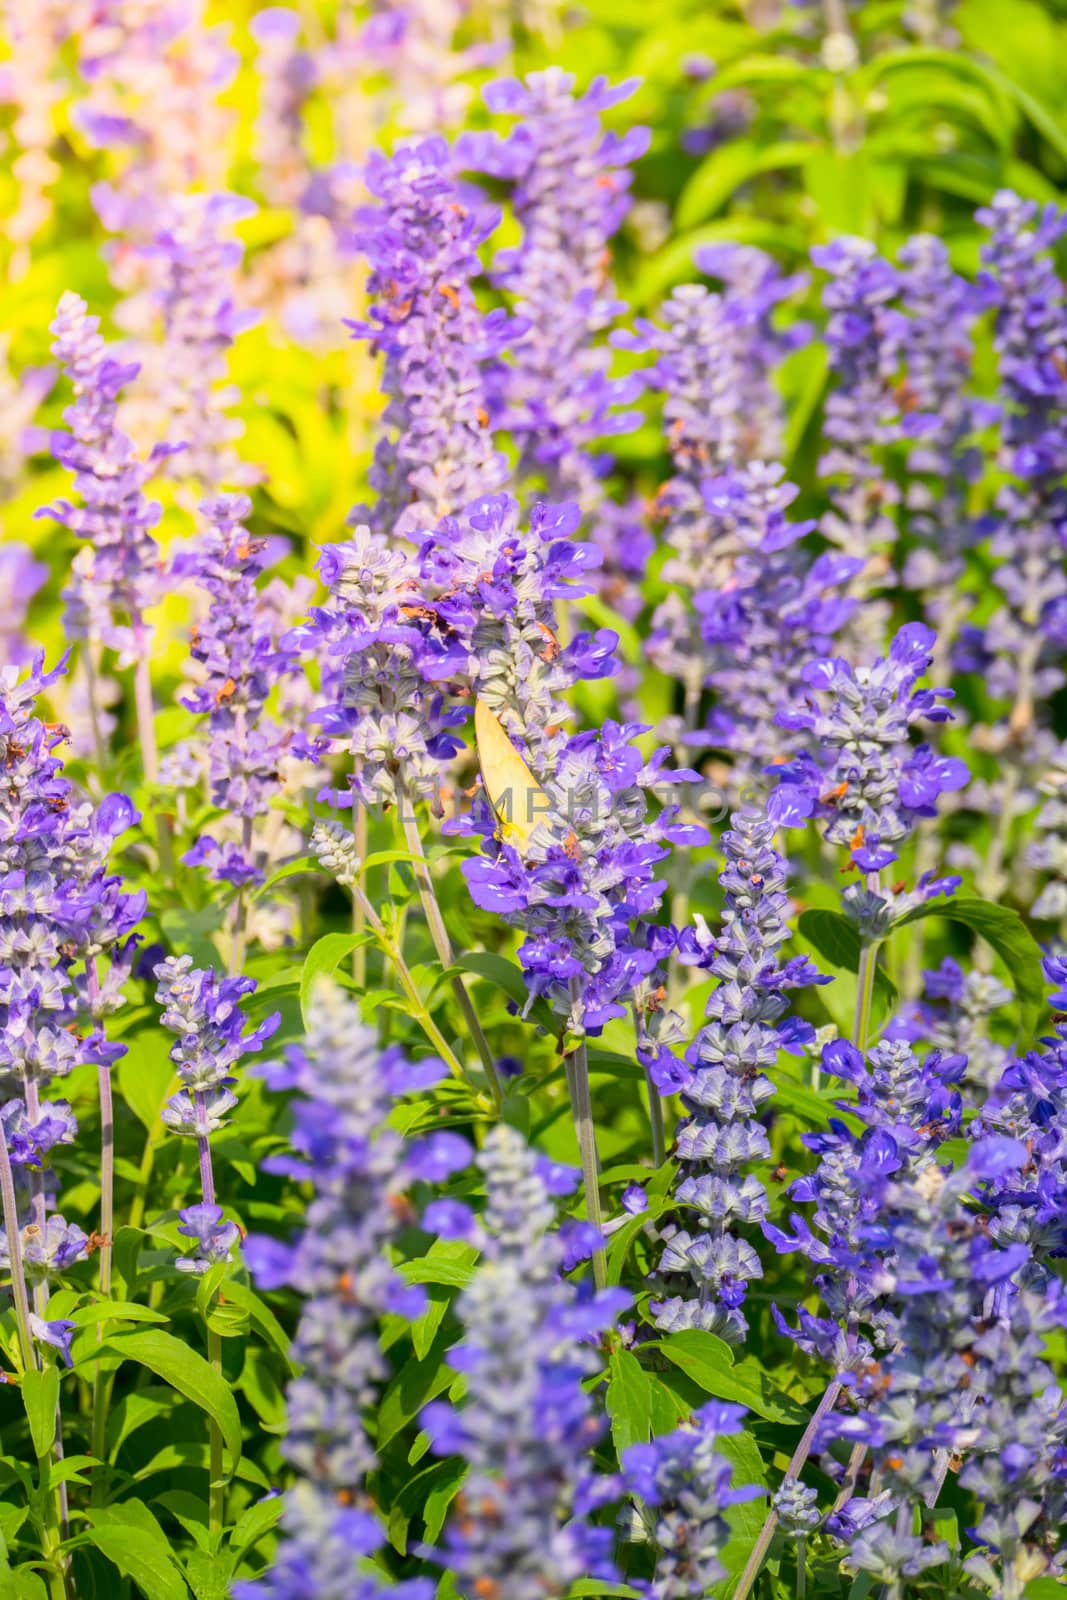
863,779
725,1084
421,238
526,1427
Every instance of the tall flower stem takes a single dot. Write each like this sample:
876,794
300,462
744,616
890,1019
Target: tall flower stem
576,1064
146,733
14,1250
361,832
419,1010
240,915
795,1467
655,1101
868,966
102,1380
216,1490
443,945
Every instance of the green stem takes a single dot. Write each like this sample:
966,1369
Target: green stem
443,945
418,1006
861,1023
361,831
146,733
796,1464
216,1491
655,1100
576,1064
14,1248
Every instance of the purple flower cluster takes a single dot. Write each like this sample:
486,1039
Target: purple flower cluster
685,1488
725,1082
67,944
715,353
339,1263
584,891
570,194
203,1010
123,577
526,1427
436,454
862,778
242,663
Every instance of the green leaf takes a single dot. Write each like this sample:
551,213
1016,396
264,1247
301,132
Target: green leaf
208,1575
252,1525
629,1400
261,1315
113,1311
292,869
708,1361
416,1383
189,932
837,940
40,1396
723,172
146,1076
323,959
1008,935
150,1565
22,1584
173,1361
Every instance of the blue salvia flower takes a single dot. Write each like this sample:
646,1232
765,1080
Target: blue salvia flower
1029,1102
963,1376
864,338
861,777
908,1106
714,355
527,1427
203,1009
67,945
421,237
358,1169
584,890
685,1489
953,1016
1023,637
571,192
242,662
726,1082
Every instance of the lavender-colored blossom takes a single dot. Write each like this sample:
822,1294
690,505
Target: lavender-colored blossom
864,336
1031,538
436,454
725,1083
339,1264
67,944
241,662
526,1426
287,74
584,890
940,419
686,1488
954,1016
203,1010
863,779
964,1375
125,575
197,259
570,194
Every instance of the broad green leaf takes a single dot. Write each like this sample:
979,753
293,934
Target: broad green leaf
838,942
150,1566
323,959
1008,935
114,1311
40,1396
252,1525
416,1383
261,1315
708,1361
208,1575
629,1400
21,1584
722,173
146,1076
173,1361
